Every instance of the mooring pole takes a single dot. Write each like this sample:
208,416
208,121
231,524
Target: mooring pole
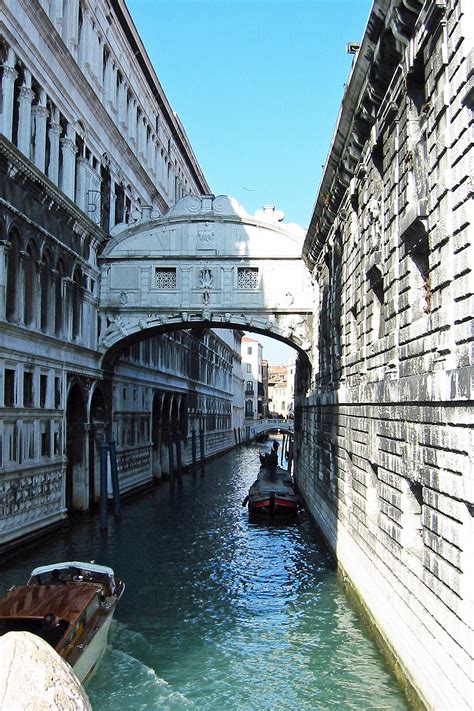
103,485
178,452
193,446
290,455
170,455
235,437
201,445
115,479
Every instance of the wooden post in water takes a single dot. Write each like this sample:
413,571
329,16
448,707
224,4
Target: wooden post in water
201,444
170,455
193,447
290,455
103,449
115,479
178,452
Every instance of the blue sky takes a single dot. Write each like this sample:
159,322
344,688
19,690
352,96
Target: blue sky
257,85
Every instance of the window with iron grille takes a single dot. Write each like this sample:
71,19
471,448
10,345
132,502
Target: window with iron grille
247,277
165,278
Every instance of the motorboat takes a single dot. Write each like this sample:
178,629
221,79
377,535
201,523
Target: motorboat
70,605
272,493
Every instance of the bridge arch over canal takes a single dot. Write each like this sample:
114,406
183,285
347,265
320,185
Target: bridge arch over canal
205,264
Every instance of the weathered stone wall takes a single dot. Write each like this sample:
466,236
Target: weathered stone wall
34,676
385,455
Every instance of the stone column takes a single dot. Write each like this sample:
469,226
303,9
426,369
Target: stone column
113,199
106,89
67,308
81,192
24,115
141,139
110,91
68,148
153,152
39,114
122,108
8,86
70,30
56,14
98,60
53,135
20,288
86,44
3,277
132,122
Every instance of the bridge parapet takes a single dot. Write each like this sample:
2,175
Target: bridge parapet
206,263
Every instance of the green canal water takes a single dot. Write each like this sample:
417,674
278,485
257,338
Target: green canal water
220,613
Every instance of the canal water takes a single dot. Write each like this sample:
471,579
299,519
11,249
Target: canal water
220,613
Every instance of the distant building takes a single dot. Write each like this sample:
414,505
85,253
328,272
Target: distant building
281,381
252,375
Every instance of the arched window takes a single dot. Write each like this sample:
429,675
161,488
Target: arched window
58,300
31,285
13,268
76,304
249,408
47,297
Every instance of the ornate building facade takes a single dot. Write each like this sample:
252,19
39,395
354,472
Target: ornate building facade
385,444
88,141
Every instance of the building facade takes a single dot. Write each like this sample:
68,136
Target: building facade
252,374
385,440
88,142
281,389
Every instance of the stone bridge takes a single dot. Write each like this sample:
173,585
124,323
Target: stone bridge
206,263
257,427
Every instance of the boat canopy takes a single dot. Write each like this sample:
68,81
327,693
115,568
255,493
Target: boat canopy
91,567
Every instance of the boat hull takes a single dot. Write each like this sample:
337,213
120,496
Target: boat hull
272,495
93,651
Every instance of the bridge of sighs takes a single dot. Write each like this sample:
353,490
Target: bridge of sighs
205,264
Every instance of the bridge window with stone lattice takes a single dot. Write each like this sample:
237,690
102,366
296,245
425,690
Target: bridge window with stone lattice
247,277
165,278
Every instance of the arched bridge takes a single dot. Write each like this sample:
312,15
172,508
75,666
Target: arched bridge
206,263
257,427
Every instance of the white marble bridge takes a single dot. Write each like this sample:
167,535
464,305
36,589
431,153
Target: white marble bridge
206,263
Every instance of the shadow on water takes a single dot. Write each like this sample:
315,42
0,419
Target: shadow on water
219,612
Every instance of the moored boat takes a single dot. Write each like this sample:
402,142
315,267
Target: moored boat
272,494
70,605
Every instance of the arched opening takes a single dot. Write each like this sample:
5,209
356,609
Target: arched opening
97,434
30,281
58,299
76,304
47,300
13,264
75,449
156,434
165,433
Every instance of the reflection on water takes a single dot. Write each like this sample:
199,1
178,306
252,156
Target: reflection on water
221,613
